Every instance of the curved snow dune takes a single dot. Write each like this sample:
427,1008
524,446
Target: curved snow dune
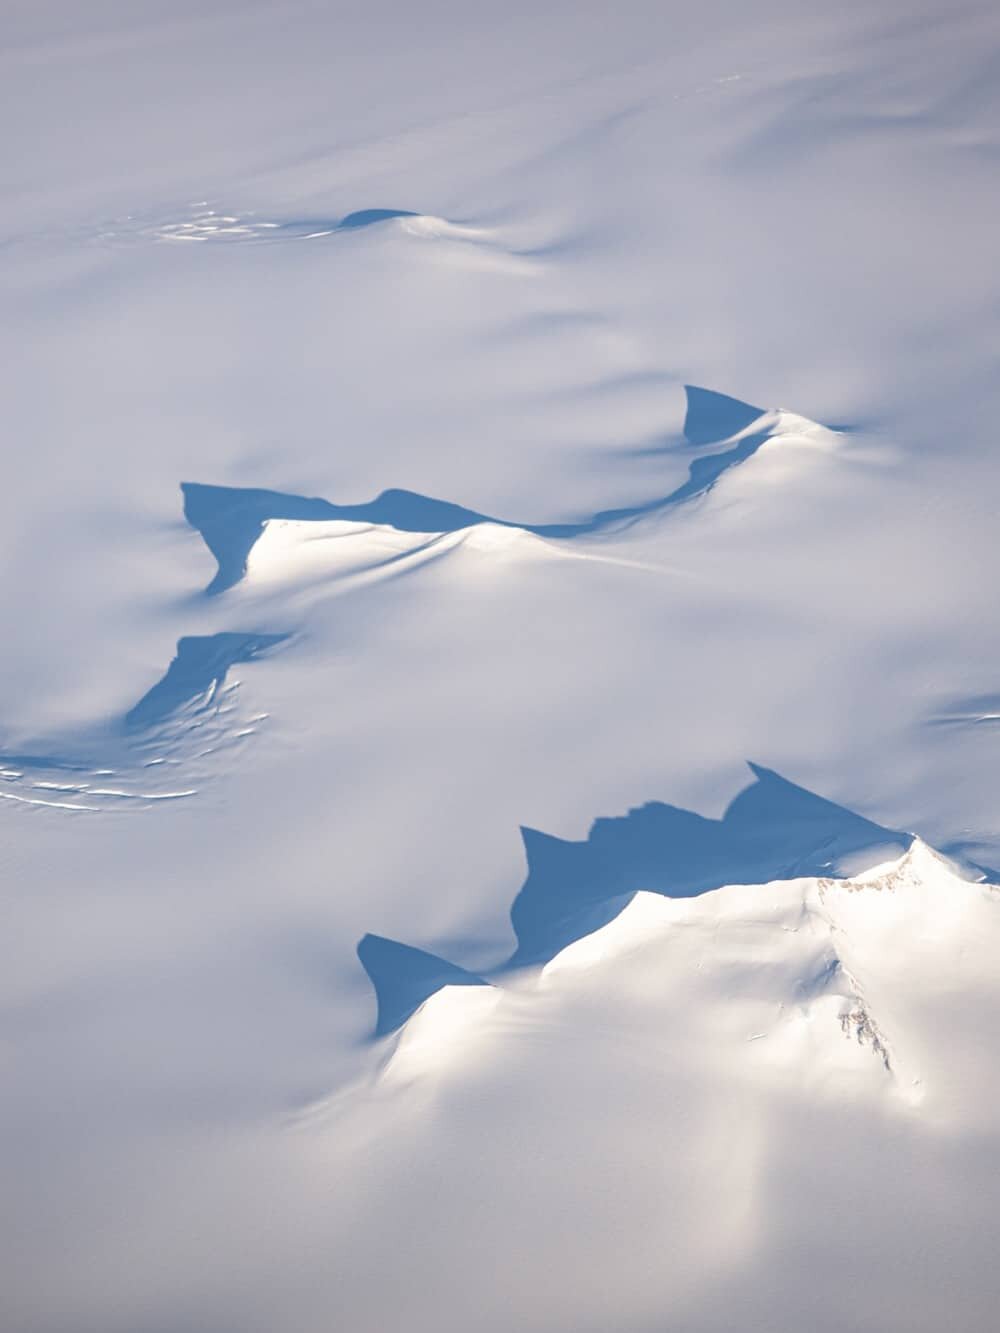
723,432
742,1094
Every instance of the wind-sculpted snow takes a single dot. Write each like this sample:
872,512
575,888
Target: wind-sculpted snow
980,710
773,830
197,672
154,751
200,224
406,296
231,519
184,713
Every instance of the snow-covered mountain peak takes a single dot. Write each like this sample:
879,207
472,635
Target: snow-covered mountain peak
836,979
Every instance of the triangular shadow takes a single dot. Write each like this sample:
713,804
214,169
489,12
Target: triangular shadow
712,417
404,978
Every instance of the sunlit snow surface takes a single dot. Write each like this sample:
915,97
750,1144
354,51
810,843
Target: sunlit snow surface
444,444
744,1095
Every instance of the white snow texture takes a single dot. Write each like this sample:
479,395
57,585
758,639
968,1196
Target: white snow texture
444,445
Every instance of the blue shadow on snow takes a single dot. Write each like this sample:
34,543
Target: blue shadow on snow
772,830
199,668
197,671
230,519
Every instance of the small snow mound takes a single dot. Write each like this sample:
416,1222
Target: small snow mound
199,223
645,916
429,227
300,550
293,549
202,224
497,537
789,428
440,1030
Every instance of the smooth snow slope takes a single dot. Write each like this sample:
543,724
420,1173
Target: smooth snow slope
425,423
760,1107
